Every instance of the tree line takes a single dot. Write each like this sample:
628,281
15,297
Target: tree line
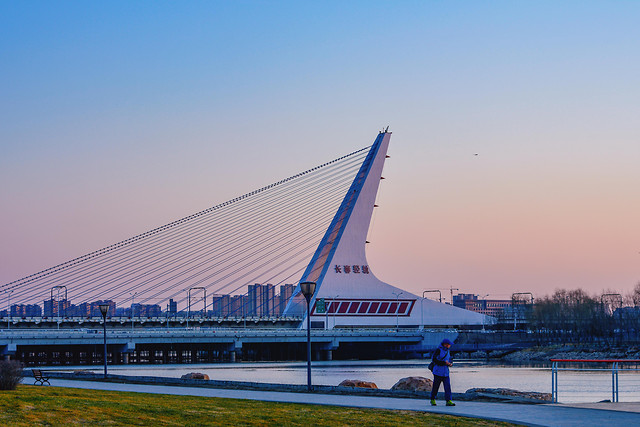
575,316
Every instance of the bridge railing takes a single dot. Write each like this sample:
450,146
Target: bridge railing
615,366
203,331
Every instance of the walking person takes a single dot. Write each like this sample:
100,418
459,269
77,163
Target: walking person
440,366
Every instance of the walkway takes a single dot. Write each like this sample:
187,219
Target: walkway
532,415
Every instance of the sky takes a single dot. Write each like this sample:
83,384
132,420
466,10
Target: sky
515,151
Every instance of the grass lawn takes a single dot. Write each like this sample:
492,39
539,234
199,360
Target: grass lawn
37,405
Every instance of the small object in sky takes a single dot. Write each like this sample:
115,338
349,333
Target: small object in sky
476,154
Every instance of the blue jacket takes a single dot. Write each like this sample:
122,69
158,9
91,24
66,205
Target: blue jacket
440,357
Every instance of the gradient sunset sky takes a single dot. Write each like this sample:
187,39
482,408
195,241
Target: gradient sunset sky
117,117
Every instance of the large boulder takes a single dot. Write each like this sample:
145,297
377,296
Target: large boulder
195,376
357,383
413,384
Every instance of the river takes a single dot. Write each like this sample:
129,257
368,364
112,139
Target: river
574,386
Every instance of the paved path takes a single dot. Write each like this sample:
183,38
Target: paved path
534,415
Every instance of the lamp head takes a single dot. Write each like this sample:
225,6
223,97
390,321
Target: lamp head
308,289
104,309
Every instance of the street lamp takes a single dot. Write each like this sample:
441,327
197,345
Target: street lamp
9,307
56,307
199,288
104,309
485,310
397,306
244,314
326,317
308,289
133,295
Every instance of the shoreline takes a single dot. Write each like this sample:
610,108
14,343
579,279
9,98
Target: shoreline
540,354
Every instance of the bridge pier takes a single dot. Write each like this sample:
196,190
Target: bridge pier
234,348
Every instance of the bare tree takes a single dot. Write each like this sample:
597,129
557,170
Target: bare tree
635,295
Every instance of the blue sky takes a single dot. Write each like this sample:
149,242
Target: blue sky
117,117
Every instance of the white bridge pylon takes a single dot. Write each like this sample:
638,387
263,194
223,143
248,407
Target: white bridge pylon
353,296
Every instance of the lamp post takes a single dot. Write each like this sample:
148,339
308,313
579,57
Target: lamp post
326,317
104,309
244,314
9,307
133,295
199,288
484,298
59,289
308,289
335,301
397,294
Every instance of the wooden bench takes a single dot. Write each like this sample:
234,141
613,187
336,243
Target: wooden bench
40,377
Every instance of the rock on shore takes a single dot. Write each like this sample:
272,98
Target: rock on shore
195,376
357,383
486,392
413,384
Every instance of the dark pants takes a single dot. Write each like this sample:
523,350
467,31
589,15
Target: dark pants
436,386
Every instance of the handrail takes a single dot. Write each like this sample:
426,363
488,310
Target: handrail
615,368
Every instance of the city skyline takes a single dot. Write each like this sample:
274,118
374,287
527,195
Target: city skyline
513,166
260,300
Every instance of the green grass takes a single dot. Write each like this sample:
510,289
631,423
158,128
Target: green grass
54,406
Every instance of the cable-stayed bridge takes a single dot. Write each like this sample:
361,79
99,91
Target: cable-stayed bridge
223,266
204,264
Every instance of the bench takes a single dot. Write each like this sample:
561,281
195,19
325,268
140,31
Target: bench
40,377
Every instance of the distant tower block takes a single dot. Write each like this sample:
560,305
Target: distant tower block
353,296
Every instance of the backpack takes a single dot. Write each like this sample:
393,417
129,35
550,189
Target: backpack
433,362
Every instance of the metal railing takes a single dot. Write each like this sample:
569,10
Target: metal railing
236,332
615,369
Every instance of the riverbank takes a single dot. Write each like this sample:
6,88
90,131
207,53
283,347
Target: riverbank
565,351
571,351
